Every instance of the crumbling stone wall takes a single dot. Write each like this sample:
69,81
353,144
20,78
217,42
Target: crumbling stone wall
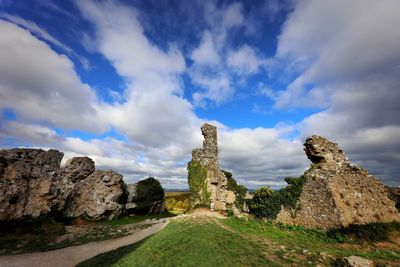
394,194
207,157
337,193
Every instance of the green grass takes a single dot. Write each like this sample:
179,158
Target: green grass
237,242
343,242
187,244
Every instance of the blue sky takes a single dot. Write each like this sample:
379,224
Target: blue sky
129,83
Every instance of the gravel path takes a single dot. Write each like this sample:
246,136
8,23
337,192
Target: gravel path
73,255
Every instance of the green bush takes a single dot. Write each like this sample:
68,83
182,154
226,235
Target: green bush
197,179
264,203
148,191
267,203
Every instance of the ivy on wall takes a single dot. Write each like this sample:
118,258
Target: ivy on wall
197,179
267,203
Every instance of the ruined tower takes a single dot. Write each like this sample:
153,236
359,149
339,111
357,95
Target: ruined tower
215,182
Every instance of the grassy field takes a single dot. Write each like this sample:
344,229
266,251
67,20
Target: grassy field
203,241
188,243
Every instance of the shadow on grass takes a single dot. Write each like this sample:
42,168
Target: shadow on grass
109,258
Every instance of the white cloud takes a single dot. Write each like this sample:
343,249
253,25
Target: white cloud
338,41
132,55
35,29
245,60
216,87
30,133
261,154
206,53
210,72
44,35
154,113
41,85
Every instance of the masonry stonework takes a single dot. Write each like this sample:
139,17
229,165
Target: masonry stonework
207,157
337,193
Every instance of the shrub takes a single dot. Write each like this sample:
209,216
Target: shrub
240,195
148,191
232,184
197,179
264,203
267,203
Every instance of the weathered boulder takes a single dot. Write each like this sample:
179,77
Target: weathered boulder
33,184
207,183
29,180
97,196
337,193
75,169
145,197
78,168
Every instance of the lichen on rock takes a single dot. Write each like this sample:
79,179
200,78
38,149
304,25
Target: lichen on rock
29,180
33,184
96,197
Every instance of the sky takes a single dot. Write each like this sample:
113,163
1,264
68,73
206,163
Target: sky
129,83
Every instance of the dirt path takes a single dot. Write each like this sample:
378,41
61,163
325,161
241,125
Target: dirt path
203,212
73,255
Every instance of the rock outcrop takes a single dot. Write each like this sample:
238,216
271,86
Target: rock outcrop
337,193
29,180
207,158
33,184
78,168
96,197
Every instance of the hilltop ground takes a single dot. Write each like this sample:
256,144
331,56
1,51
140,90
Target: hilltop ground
202,239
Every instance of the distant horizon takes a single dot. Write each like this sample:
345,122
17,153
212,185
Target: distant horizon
129,83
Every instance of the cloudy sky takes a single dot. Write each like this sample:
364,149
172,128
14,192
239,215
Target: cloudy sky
129,83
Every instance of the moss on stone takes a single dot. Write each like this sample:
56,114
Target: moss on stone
197,179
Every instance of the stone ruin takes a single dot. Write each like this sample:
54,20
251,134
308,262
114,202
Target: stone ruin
33,184
207,157
337,193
